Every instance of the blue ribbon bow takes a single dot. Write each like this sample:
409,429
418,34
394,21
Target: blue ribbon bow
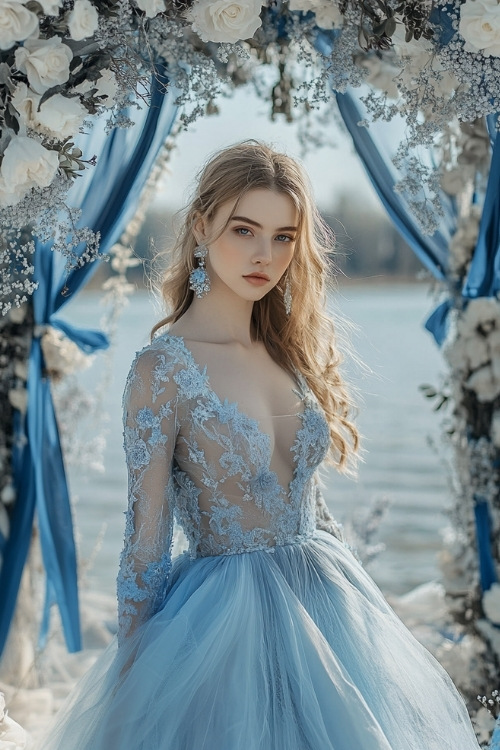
107,195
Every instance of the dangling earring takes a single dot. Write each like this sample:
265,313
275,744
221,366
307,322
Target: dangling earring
287,296
199,280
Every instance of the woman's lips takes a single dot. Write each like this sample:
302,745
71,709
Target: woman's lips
256,279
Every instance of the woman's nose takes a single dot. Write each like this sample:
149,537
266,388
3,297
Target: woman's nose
264,251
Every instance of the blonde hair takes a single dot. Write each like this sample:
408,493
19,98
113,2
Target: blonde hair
305,340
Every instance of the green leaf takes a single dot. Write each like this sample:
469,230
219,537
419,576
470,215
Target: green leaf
390,26
379,28
11,119
441,403
75,62
49,93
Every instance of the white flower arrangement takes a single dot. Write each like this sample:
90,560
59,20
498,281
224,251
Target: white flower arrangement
491,604
61,355
480,27
12,735
473,349
226,21
62,63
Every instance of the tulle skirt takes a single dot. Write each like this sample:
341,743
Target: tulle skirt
294,649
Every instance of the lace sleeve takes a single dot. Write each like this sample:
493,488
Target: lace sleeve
150,431
324,520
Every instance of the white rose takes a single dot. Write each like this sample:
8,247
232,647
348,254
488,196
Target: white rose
26,163
107,86
9,197
480,26
491,603
7,496
60,116
225,20
50,7
328,15
12,735
484,383
17,23
62,356
26,101
495,428
83,20
45,62
483,311
494,341
18,397
476,351
151,7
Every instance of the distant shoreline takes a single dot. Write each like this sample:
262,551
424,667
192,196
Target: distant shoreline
339,280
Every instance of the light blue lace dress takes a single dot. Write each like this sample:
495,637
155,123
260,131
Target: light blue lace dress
266,634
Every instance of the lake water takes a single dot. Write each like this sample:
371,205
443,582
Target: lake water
395,419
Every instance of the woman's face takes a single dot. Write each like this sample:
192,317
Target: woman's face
255,249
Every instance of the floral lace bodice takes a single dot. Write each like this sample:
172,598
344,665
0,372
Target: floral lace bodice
200,461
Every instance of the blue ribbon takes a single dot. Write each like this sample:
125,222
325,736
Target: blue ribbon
87,340
495,739
437,322
491,123
125,159
487,571
483,279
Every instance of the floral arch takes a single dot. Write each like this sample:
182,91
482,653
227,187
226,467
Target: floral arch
92,94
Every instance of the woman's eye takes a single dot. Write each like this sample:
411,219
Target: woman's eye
244,230
284,238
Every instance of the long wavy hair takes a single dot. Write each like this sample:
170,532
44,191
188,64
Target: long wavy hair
305,340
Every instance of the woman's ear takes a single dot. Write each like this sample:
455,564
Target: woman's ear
199,230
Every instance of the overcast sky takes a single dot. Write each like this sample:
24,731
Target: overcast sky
332,170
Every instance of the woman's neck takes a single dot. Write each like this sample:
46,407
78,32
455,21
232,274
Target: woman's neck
218,318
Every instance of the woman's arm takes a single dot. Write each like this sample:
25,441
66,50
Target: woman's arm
150,432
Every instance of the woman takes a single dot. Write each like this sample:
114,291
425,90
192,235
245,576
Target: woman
267,634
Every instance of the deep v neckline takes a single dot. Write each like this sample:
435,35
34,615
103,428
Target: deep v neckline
252,421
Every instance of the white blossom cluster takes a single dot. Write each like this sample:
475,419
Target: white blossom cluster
45,92
64,61
491,603
61,355
12,735
473,351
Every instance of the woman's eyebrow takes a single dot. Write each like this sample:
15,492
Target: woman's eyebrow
256,224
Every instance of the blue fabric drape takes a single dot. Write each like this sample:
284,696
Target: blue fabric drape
495,740
432,250
482,518
437,322
373,147
483,279
107,195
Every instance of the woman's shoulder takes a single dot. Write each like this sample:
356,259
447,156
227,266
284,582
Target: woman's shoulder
166,368
164,349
